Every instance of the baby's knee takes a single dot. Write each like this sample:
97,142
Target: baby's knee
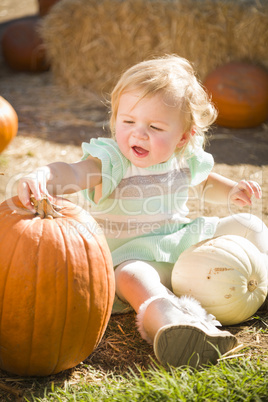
127,269
135,274
249,221
135,271
136,281
126,275
123,275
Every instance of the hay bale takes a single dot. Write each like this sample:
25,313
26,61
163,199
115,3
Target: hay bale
90,42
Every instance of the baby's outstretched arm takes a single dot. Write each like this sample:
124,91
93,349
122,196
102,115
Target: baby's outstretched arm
220,190
59,178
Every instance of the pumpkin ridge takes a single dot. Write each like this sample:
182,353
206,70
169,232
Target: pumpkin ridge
56,323
104,324
234,258
30,224
57,360
11,259
226,303
91,293
240,304
4,287
34,315
72,226
245,252
234,239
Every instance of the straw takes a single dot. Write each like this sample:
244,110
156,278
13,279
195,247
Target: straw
91,42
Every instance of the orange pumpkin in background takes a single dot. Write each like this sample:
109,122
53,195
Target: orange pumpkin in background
8,123
239,90
56,287
23,48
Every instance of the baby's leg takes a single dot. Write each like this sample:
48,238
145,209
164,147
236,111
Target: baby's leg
245,225
138,281
179,328
248,226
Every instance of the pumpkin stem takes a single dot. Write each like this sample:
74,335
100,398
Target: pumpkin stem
46,209
252,285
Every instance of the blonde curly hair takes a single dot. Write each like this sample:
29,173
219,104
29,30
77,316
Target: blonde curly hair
174,78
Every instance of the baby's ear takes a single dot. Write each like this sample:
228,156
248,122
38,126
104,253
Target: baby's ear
184,139
193,131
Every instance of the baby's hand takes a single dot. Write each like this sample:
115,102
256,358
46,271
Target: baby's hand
33,184
242,192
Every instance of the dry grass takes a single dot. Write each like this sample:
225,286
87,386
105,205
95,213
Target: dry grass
120,351
90,43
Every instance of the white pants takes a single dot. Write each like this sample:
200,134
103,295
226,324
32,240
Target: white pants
245,225
137,281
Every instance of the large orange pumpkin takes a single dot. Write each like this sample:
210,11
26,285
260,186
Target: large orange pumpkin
8,123
56,288
240,93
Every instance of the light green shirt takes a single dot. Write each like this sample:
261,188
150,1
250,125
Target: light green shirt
143,211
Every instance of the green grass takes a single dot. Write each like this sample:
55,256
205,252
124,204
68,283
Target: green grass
237,380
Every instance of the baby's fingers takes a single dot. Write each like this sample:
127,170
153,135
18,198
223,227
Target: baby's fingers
240,198
256,188
251,188
24,194
32,184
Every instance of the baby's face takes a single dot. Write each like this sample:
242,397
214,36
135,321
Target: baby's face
148,131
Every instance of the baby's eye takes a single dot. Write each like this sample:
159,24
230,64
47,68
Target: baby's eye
156,128
128,121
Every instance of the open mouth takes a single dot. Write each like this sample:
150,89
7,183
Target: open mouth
140,152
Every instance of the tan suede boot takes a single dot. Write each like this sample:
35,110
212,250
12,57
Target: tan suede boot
181,331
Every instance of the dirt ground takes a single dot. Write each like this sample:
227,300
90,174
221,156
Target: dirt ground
52,124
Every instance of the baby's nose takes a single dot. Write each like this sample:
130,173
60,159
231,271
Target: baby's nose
140,132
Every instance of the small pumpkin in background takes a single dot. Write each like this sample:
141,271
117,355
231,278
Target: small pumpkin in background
45,6
23,48
8,123
239,90
226,274
56,287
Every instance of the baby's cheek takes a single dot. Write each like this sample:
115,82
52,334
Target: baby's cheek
164,146
120,138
